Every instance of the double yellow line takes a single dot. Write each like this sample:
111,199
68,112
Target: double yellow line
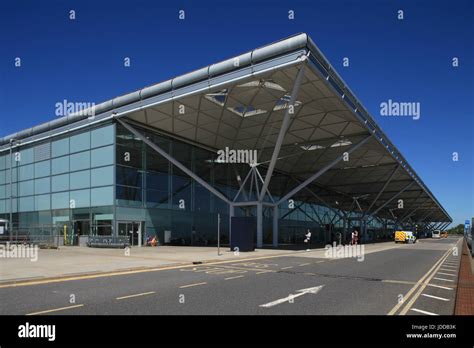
420,285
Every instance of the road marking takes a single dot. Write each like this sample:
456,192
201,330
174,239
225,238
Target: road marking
397,281
287,267
135,295
423,285
262,272
436,297
450,266
301,292
439,286
188,286
424,312
119,273
419,282
305,264
56,309
319,261
448,274
447,270
241,276
446,280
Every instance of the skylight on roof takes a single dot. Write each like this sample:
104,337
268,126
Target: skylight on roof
217,97
246,111
263,83
311,147
284,103
342,142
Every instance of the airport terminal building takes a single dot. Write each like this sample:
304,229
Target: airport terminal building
272,140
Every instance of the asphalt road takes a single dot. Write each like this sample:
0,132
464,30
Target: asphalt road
417,279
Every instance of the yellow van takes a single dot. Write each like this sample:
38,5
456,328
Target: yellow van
404,237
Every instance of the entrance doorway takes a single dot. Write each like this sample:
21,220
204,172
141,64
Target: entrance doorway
132,229
81,228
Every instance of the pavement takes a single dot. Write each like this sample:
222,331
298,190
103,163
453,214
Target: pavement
394,279
465,285
70,261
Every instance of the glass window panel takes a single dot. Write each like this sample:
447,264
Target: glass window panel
26,172
43,202
42,186
60,183
157,181
102,176
3,192
2,162
60,147
80,199
80,179
129,193
102,136
42,169
26,188
129,157
3,177
26,204
26,156
80,142
60,165
129,176
102,156
60,200
3,209
80,161
102,196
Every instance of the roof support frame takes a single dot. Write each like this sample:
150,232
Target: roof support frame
283,129
174,161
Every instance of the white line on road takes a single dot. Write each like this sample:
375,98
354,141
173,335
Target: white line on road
446,280
135,295
301,292
240,276
424,312
188,286
439,286
447,270
56,309
450,266
287,267
448,274
305,264
436,297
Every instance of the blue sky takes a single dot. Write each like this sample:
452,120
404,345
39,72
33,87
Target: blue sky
408,60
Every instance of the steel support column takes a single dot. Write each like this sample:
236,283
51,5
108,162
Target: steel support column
175,162
283,129
275,226
391,199
259,225
322,171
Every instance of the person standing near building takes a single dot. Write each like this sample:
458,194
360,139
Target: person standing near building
308,238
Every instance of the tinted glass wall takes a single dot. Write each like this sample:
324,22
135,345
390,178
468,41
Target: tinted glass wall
59,181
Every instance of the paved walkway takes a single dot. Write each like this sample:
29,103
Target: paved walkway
68,261
465,289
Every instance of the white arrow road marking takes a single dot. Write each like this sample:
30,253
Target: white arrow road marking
301,292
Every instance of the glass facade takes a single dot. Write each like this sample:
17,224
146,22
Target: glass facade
99,181
53,184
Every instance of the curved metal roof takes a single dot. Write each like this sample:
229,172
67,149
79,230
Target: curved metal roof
239,103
